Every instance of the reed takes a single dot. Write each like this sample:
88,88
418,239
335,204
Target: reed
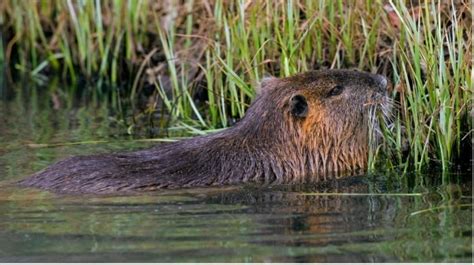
221,49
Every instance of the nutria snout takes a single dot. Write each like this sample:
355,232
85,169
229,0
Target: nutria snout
304,128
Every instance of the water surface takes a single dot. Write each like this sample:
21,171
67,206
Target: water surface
371,218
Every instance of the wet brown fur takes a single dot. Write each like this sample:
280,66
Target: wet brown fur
270,145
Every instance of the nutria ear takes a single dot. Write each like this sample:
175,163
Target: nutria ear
267,83
299,106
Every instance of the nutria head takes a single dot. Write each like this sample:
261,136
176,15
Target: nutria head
317,121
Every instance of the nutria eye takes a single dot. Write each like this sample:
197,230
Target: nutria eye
337,90
299,106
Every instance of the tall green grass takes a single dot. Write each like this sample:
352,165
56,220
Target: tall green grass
223,48
432,68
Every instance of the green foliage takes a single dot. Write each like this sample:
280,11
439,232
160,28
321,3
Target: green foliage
432,68
225,48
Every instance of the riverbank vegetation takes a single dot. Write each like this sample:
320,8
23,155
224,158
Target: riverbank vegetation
196,63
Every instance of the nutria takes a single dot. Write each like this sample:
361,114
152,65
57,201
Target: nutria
303,128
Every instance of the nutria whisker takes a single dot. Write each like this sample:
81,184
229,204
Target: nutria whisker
384,107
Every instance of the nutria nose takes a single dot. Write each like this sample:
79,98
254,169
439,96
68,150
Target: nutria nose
381,82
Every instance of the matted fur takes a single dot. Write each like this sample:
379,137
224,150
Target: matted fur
269,145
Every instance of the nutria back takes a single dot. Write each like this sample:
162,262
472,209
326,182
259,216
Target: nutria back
305,128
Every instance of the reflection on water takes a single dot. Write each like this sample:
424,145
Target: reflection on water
364,218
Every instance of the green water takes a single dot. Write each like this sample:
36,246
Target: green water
363,219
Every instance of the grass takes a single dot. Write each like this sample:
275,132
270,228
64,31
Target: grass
221,49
